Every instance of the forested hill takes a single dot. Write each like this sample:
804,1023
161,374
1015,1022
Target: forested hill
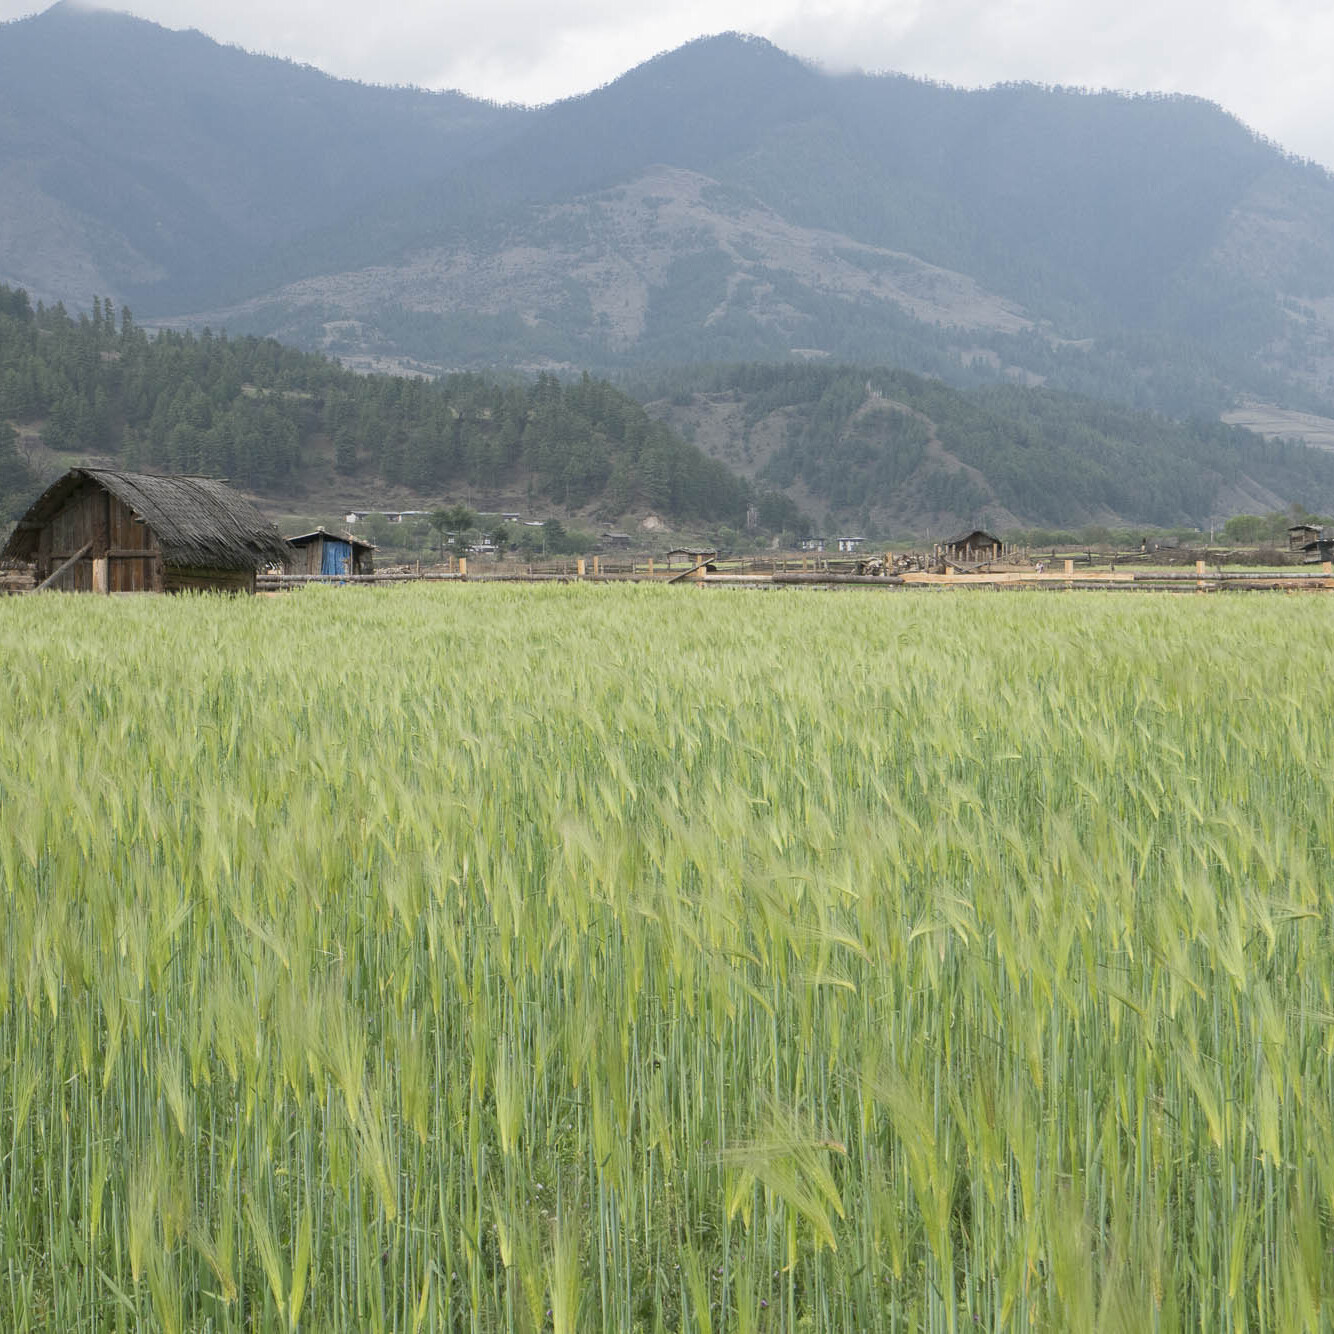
888,450
869,447
287,424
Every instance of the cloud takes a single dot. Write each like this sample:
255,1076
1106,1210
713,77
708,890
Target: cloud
1264,60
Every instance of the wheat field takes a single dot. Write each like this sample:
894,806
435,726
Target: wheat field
635,959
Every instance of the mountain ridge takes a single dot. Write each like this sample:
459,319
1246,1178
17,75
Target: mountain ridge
1148,249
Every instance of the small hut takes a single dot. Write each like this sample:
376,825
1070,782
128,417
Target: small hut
105,531
702,561
1320,547
972,548
695,555
1300,534
322,552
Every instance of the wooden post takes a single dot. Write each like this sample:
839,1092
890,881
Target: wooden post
597,564
579,567
1069,567
463,566
1328,567
650,566
1199,573
101,574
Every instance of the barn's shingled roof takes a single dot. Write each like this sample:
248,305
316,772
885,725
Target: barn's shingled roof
199,523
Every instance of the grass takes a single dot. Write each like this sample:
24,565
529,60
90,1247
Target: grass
631,958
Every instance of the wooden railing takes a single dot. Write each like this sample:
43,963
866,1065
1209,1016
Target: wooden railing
822,572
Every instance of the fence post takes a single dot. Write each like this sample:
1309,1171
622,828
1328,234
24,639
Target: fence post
650,566
1199,574
1069,567
463,567
579,567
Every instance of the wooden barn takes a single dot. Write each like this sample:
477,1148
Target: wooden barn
972,548
323,552
104,531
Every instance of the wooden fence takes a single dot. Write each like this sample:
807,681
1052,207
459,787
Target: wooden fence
821,573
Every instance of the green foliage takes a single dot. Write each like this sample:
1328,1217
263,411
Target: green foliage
556,540
252,410
1254,530
16,478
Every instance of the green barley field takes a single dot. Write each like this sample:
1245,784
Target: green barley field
632,959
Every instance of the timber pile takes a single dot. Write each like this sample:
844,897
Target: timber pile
15,577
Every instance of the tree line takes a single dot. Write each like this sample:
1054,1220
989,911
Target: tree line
265,415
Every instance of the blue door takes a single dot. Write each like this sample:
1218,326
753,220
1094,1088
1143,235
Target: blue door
337,557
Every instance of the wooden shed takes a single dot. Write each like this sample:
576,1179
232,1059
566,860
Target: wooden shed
972,548
105,531
696,555
1299,534
1320,547
322,552
701,561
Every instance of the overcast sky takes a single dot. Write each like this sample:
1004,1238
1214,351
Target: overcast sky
1267,61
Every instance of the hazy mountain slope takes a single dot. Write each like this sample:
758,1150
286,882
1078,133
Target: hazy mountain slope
724,200
1081,206
669,266
1197,258
157,165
